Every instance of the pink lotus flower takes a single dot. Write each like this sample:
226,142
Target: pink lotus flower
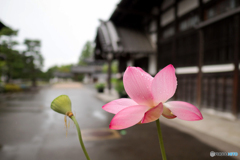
148,99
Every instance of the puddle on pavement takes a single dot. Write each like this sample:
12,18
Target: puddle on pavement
99,134
100,115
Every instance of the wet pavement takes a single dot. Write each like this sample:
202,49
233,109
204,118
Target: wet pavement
30,130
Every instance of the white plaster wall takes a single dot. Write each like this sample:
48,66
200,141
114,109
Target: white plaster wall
186,6
152,65
167,17
153,40
218,68
187,70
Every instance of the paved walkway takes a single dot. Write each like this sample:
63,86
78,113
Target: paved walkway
30,130
67,85
218,127
107,96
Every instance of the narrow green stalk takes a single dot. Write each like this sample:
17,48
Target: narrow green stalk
80,137
161,140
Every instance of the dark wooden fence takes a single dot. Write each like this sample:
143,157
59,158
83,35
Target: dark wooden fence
187,88
217,91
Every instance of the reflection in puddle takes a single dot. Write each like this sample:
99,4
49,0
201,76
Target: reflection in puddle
99,134
99,115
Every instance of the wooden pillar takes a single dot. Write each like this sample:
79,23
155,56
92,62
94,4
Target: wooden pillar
235,108
109,58
121,64
200,56
201,10
174,48
200,63
159,34
224,95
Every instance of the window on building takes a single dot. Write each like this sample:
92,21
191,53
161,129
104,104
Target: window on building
168,32
219,41
187,49
188,22
220,7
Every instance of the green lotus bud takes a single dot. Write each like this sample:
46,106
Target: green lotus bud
62,104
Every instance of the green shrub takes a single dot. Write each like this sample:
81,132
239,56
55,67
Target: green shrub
79,77
120,89
99,85
12,88
114,81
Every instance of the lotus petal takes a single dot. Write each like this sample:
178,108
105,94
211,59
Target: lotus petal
164,84
128,117
153,114
137,84
184,110
118,105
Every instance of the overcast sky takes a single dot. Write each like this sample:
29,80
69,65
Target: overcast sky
63,26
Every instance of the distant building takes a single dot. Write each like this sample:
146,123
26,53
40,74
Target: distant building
92,72
199,37
129,46
61,77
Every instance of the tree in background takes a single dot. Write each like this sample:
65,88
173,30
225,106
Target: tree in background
63,68
6,31
33,59
50,71
13,64
87,52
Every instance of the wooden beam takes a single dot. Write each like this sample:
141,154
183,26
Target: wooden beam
120,18
218,18
136,12
167,8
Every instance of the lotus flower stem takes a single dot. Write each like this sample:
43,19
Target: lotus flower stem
80,137
161,140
